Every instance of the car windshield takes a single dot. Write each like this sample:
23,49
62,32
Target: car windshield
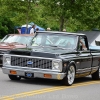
55,40
17,38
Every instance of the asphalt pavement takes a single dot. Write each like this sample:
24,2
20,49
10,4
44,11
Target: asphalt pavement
46,89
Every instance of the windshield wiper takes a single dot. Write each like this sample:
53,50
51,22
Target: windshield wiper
57,47
36,44
53,45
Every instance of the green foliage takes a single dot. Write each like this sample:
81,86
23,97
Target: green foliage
6,26
21,11
73,15
85,13
89,15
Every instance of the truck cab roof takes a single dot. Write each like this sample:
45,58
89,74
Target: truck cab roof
60,32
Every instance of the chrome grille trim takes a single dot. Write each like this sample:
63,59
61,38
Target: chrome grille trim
36,62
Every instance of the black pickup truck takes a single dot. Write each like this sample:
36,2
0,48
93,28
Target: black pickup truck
53,55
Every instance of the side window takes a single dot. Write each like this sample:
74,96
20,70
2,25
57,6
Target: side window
82,44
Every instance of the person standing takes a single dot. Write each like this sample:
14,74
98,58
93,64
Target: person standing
64,30
48,29
32,31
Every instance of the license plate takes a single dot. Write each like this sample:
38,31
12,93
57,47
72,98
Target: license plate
29,75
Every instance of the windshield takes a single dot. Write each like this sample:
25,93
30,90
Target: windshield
55,40
17,38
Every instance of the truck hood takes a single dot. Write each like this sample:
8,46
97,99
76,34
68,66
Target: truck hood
10,46
43,52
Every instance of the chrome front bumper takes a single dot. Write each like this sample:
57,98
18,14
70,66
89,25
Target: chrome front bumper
37,73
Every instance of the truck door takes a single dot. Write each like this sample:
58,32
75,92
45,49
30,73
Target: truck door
84,55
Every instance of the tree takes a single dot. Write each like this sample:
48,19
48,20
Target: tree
6,26
57,14
82,11
59,9
22,10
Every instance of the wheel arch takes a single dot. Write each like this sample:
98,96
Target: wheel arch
73,63
70,63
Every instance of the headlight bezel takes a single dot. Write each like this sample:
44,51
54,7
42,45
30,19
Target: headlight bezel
57,65
6,59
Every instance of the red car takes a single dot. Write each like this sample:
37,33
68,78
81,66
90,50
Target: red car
12,41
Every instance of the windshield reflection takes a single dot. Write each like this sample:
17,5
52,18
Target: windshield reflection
55,40
17,39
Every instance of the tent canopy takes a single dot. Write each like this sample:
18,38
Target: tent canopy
40,28
23,28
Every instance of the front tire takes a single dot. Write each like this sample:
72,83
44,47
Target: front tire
14,77
70,76
95,75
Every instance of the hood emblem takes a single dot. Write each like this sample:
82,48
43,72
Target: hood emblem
29,62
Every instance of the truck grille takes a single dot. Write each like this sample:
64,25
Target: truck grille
31,62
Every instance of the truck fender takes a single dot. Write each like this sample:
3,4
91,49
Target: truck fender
70,63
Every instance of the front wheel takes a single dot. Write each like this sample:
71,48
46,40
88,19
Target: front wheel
14,77
70,76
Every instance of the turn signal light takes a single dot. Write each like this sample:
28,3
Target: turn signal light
47,76
13,72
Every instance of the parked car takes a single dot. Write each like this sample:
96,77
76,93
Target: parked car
53,55
12,41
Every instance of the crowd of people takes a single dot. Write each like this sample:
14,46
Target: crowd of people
33,30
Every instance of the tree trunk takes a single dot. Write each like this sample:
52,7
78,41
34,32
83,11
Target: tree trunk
26,23
61,23
27,16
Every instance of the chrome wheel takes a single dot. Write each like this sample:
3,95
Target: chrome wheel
71,75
